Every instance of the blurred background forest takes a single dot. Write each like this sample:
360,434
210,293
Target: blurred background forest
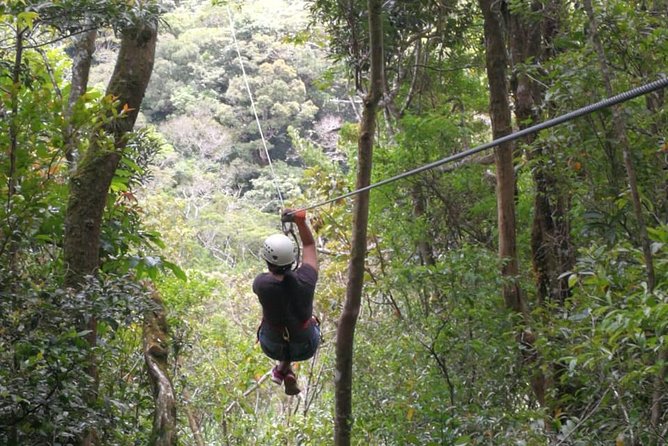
438,358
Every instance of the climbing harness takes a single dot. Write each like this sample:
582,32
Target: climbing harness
285,334
283,329
614,100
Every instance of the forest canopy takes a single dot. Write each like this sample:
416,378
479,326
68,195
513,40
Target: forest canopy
516,296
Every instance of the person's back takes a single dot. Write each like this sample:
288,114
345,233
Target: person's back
288,331
287,303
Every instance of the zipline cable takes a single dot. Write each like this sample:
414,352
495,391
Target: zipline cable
257,119
614,100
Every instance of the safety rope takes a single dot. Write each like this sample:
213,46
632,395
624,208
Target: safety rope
289,231
614,100
257,119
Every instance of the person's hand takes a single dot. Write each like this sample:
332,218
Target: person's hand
291,215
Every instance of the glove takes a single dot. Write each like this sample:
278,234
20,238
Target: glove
291,215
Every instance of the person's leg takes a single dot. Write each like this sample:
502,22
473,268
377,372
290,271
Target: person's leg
279,371
284,366
290,382
274,347
284,372
299,351
277,375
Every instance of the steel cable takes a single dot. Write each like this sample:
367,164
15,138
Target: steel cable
609,102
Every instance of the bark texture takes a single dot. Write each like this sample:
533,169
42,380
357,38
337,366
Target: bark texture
550,232
551,247
346,326
8,245
84,47
90,182
496,62
156,349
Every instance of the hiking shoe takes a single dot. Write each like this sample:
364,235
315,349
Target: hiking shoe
277,376
290,382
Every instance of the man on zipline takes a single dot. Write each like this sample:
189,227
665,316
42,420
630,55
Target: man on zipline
288,332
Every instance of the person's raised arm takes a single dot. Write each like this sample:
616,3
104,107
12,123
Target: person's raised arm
309,254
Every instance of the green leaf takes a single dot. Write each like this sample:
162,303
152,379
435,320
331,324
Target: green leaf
26,19
178,272
572,280
119,185
463,440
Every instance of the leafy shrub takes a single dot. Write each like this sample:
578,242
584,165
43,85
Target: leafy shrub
45,380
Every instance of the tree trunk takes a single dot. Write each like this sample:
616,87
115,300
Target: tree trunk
156,350
192,418
505,183
425,250
551,247
346,327
525,39
525,47
424,247
552,251
496,62
84,47
89,184
10,245
619,126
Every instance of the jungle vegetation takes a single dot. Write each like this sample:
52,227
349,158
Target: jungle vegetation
515,297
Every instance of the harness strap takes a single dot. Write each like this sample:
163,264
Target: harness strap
283,329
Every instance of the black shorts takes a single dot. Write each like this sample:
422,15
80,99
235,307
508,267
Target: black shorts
274,346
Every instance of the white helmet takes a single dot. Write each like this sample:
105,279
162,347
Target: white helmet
279,250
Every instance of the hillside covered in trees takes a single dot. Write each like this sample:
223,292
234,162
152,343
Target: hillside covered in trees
514,296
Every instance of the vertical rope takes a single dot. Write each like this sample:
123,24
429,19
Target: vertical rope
257,119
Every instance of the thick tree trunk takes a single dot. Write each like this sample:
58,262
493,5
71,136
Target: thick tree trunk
525,46
530,42
552,251
496,62
346,327
156,350
89,184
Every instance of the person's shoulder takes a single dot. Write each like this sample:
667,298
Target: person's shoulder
307,272
260,280
307,267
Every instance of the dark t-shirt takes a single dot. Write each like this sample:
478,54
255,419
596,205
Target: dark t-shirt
287,303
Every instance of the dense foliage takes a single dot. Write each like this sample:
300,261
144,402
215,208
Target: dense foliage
438,357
